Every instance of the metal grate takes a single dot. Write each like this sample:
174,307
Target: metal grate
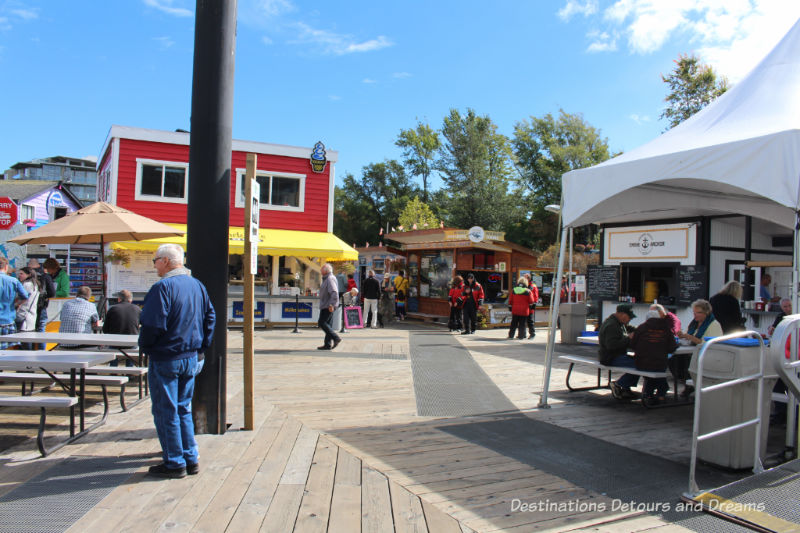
61,495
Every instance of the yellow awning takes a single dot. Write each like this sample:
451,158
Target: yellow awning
273,242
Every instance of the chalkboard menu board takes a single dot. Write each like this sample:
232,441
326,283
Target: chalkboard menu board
352,317
692,280
602,282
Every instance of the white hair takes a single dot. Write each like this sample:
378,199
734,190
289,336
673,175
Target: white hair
652,313
327,268
172,252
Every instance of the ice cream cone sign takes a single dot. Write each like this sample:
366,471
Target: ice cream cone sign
318,159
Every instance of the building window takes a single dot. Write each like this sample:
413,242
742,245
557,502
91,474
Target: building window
27,212
279,191
161,181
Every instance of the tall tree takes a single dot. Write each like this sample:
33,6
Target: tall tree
475,162
419,150
366,204
546,148
417,212
692,86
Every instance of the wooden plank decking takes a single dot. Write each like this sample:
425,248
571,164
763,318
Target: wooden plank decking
338,447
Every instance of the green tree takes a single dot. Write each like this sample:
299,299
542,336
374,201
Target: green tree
692,86
419,150
363,206
546,148
475,162
418,212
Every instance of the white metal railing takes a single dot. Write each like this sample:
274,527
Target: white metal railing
787,367
699,390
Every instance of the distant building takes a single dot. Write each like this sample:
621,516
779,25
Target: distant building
79,175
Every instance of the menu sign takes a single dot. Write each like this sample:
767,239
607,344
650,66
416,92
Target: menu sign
692,280
603,282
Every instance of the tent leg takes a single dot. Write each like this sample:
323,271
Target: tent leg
551,338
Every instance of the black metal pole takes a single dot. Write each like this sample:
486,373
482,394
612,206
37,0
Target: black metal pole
296,310
341,307
209,192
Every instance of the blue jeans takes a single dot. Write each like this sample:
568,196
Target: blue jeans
171,390
626,381
325,323
41,323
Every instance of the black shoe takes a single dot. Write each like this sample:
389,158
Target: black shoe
170,473
511,336
532,335
616,390
336,343
687,391
521,338
192,469
323,347
465,332
628,394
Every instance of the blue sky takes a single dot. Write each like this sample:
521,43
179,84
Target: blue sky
352,74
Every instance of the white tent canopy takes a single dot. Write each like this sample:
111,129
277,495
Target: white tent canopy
741,154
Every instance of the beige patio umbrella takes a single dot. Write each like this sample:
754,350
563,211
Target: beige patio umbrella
98,223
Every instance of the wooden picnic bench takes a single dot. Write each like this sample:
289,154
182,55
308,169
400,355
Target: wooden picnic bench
48,380
593,362
42,403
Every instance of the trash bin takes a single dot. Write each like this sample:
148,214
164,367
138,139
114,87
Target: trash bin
726,407
573,320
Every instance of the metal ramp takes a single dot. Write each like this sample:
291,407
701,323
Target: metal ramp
768,502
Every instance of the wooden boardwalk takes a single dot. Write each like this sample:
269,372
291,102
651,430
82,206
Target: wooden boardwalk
338,447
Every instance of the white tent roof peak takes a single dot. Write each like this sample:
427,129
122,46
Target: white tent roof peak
740,154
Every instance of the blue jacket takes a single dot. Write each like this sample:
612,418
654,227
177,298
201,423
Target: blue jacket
177,318
10,288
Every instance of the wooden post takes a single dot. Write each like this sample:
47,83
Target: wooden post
248,290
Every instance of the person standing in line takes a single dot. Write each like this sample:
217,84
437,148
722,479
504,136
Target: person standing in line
371,291
10,290
47,291
26,310
386,305
177,326
59,276
400,294
473,299
726,307
328,302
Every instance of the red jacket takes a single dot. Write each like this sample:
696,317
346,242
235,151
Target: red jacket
477,293
351,283
520,301
535,292
455,294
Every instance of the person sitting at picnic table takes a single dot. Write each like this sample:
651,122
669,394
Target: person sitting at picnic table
727,310
59,275
704,324
614,340
351,297
651,345
10,290
78,315
674,321
123,317
786,309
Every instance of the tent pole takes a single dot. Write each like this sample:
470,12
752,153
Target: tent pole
569,274
551,337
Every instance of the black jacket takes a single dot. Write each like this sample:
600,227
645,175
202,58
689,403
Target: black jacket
652,342
613,339
728,313
371,289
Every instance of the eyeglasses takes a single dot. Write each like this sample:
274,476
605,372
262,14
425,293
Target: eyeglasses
156,259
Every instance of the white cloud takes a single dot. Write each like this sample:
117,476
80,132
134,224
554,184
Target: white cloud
639,118
730,35
401,75
164,42
273,8
166,6
574,7
336,43
266,40
334,97
369,80
26,14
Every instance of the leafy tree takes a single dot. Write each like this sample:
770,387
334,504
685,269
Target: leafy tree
419,213
419,150
364,205
475,162
692,85
546,148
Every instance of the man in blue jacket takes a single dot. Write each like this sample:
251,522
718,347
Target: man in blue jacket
177,325
10,290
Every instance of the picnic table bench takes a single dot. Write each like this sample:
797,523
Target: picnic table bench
48,380
42,403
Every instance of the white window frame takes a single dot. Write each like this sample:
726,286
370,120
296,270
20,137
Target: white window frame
22,209
153,198
238,200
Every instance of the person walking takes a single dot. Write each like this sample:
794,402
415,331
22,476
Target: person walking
328,302
10,290
371,291
177,326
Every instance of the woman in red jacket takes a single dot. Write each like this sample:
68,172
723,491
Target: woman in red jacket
519,302
456,303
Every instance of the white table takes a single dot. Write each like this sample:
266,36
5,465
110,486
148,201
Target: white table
50,362
113,340
596,340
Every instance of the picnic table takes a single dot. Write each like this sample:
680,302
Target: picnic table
113,340
76,364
